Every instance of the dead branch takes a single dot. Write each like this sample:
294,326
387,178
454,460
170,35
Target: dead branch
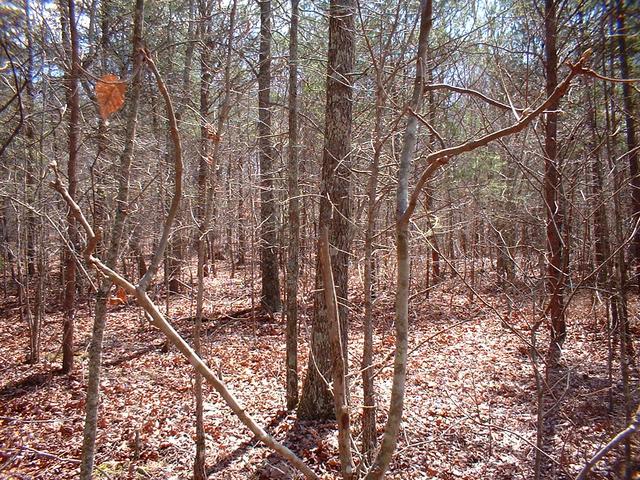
437,159
178,167
157,318
472,92
632,428
339,377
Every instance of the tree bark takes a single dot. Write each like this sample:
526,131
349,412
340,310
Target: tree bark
95,347
270,295
556,265
631,139
316,401
394,419
293,266
73,105
553,186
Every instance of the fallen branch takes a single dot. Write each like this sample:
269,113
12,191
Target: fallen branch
50,456
157,318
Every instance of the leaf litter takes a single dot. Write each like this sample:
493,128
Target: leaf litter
470,408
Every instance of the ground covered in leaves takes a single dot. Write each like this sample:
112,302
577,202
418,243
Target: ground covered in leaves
470,404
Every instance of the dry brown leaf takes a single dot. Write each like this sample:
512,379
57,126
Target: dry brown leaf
110,94
120,297
212,134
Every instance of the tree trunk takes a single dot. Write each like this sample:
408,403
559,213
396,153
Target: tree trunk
431,190
339,369
316,401
95,347
73,104
394,419
207,165
293,266
553,186
632,141
369,434
202,212
30,189
270,295
556,267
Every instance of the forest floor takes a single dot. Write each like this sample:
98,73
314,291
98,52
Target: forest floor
470,404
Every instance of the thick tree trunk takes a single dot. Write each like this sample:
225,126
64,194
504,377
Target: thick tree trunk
293,266
95,347
316,401
270,295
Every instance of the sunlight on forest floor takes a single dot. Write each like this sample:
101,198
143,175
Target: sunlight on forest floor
470,405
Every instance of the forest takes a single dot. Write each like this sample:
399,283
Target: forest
319,239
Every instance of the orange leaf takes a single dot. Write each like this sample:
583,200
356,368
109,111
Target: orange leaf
211,134
120,297
110,94
121,294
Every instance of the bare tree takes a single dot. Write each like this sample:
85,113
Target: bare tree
73,105
316,401
406,205
95,347
293,254
403,213
268,215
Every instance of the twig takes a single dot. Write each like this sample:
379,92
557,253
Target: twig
475,93
50,456
594,74
632,428
441,157
20,420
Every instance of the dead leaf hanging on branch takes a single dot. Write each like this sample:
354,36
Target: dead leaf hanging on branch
120,298
110,94
212,134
